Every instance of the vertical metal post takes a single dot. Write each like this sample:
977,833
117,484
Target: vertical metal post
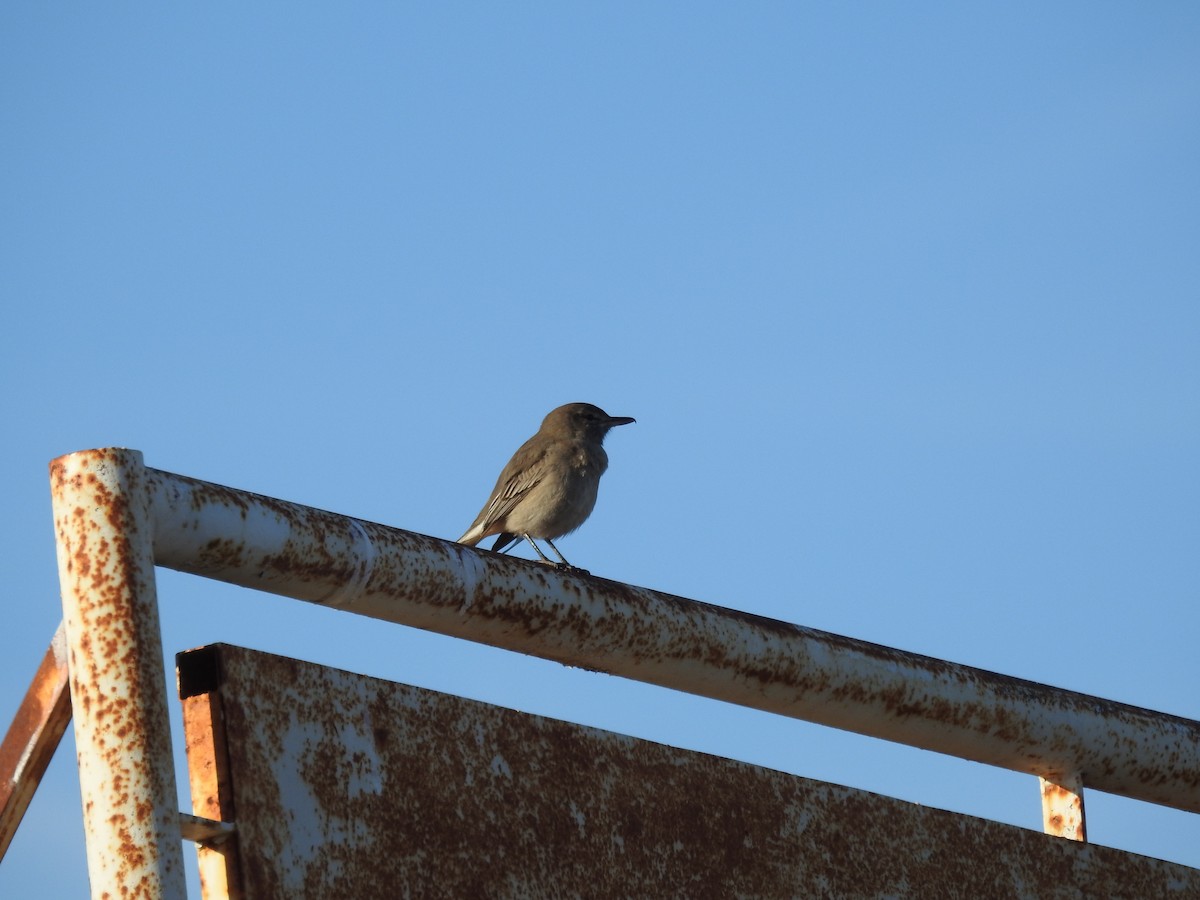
105,533
1062,807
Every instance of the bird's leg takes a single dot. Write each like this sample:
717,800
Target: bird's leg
558,565
564,559
538,550
556,553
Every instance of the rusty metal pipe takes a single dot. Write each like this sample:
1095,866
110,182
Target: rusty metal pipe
584,621
118,684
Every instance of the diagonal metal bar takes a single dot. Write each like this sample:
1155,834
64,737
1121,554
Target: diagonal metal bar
424,582
34,735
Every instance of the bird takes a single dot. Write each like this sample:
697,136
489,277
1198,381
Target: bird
549,487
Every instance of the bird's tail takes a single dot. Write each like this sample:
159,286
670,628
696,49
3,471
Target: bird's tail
476,534
473,536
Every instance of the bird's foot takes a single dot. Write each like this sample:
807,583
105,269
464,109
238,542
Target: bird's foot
565,566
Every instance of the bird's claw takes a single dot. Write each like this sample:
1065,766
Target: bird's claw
566,567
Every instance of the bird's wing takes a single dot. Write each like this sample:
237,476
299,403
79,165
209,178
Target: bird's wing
519,477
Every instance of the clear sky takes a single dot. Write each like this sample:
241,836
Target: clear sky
905,299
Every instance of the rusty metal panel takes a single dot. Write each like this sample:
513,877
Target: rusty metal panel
104,532
1062,808
33,736
343,786
593,623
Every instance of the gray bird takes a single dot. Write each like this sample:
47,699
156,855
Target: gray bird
548,488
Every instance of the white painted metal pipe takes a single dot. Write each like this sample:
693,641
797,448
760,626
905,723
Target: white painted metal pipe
118,686
428,583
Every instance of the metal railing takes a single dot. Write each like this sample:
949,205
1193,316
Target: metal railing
116,519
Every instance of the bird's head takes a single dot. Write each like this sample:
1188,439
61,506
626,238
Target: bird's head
583,420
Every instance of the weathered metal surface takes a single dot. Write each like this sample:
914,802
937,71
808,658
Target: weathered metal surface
211,788
33,736
584,621
118,691
1062,808
204,831
352,787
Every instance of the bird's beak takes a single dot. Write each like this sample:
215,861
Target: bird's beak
614,421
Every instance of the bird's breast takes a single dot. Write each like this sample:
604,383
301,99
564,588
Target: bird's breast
589,462
564,497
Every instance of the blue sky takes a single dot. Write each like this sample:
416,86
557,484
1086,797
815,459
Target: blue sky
905,299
